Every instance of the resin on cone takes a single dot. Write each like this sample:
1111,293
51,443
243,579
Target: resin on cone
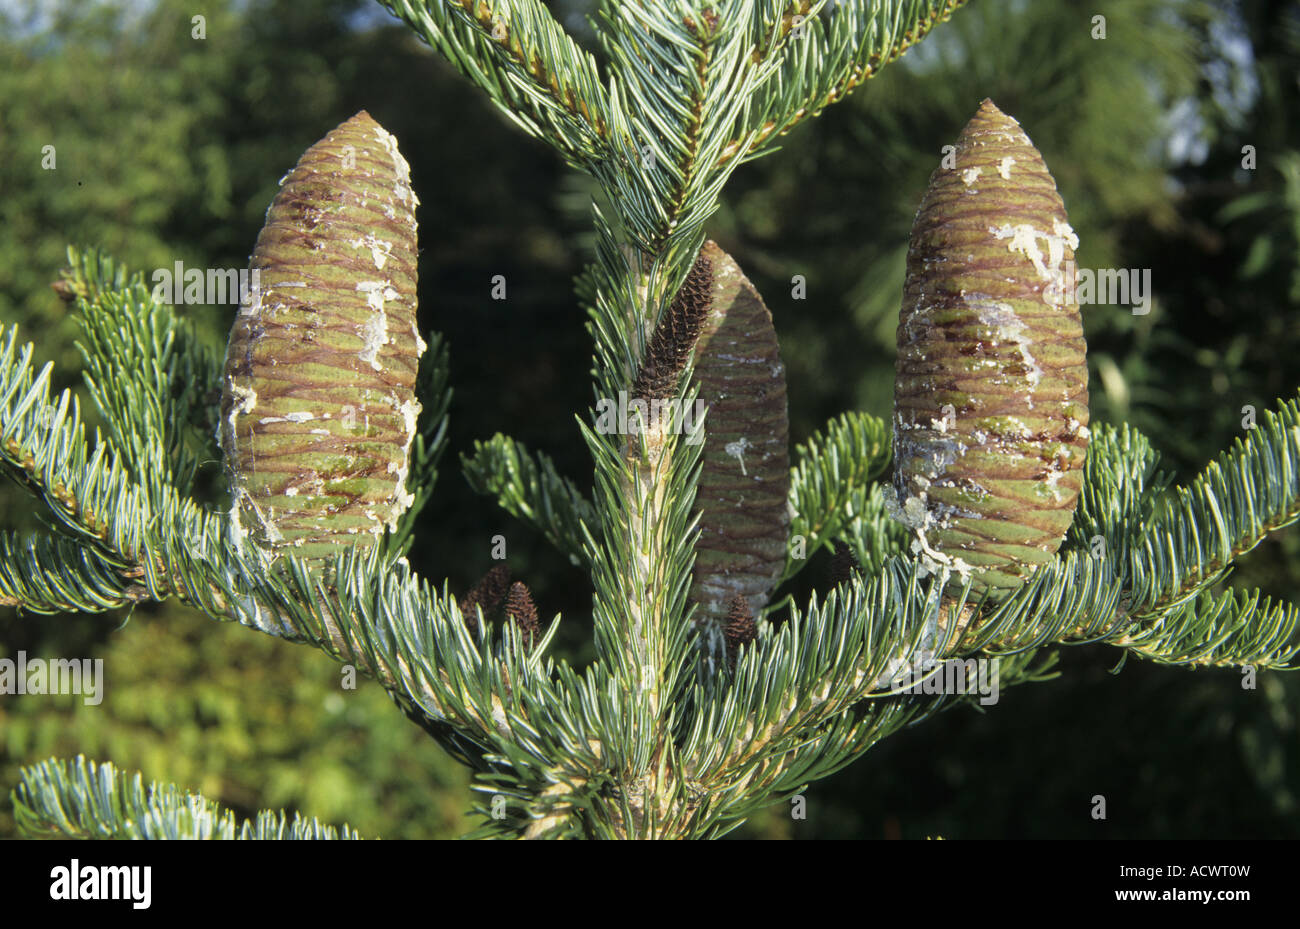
318,408
991,395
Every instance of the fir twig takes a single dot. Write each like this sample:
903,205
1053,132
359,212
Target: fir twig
836,47
835,468
85,800
517,53
528,486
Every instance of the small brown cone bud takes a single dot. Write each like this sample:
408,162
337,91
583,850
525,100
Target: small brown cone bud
488,595
319,409
523,613
991,397
740,628
675,336
65,290
844,564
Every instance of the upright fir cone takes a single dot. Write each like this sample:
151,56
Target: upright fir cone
991,397
844,564
745,477
675,336
523,613
740,628
488,594
318,407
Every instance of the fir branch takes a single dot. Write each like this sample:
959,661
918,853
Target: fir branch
848,649
787,717
1154,572
90,273
371,613
775,20
1234,629
1199,529
379,618
835,48
872,535
851,451
1079,600
91,494
683,86
55,574
773,776
1121,487
85,800
145,370
530,68
528,486
641,572
817,665
644,489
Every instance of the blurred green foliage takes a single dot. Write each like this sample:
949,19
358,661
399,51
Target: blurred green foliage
242,717
169,149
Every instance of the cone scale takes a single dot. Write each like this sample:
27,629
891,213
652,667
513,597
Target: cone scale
318,406
991,396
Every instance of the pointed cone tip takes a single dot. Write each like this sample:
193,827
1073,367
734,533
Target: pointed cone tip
361,120
990,118
990,110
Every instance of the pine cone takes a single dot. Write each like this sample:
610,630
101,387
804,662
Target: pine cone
318,407
991,399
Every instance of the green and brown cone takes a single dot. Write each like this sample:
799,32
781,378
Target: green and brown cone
991,396
745,478
318,406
